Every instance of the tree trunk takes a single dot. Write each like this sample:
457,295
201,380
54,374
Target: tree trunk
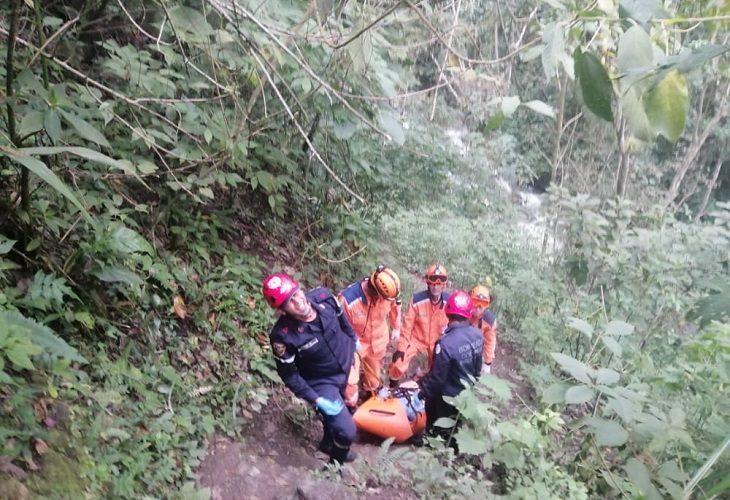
711,185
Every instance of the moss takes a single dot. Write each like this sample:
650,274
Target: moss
59,477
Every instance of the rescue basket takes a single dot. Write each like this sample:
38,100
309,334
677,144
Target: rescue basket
396,413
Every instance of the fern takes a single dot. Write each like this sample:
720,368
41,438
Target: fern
42,336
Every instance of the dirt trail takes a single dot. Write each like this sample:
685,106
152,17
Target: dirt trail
278,459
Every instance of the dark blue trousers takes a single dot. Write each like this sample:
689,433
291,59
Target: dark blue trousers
339,428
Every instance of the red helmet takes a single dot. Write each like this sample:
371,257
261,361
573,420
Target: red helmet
459,303
278,288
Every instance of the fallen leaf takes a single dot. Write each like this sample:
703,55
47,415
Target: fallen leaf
179,305
212,321
14,471
41,447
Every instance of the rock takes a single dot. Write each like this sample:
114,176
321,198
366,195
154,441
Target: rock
315,489
12,489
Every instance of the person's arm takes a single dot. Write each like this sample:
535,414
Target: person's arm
433,382
490,344
395,320
285,358
407,328
344,322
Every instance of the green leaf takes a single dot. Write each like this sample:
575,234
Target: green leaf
52,124
635,50
639,475
509,105
635,115
89,154
607,432
612,346
6,244
471,442
576,368
41,170
113,274
642,11
619,328
19,354
553,37
579,394
393,127
189,23
494,122
85,129
344,129
606,376
595,84
41,336
496,387
31,123
582,326
555,394
540,107
667,104
125,240
445,422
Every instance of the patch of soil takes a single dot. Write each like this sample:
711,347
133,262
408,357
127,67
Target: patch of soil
506,365
278,460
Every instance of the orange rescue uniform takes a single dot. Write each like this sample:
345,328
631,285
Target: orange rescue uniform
369,315
423,325
487,324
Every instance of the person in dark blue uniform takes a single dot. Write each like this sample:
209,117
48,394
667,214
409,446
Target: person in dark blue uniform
457,356
314,345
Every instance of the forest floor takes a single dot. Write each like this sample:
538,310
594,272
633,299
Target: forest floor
278,460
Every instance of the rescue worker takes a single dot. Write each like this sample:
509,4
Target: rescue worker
423,324
369,304
457,357
314,345
486,322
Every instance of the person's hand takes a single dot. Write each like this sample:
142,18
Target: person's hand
398,355
329,407
394,335
486,369
358,345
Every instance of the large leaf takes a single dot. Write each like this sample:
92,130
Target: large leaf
581,325
639,475
118,275
579,394
190,24
46,174
555,394
667,104
612,346
470,442
553,37
6,244
577,369
635,50
87,153
540,107
635,115
607,376
125,240
595,84
393,127
619,328
32,122
607,432
42,336
642,11
85,129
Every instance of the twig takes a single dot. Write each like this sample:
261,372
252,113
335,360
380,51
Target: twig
366,28
331,91
50,39
157,38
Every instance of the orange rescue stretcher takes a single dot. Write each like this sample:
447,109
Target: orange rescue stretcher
396,413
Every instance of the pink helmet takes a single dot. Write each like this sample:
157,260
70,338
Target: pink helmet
278,288
459,303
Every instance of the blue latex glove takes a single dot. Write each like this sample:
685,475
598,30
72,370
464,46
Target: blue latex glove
358,345
328,407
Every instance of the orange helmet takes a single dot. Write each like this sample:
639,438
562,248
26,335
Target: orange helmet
385,282
436,273
481,296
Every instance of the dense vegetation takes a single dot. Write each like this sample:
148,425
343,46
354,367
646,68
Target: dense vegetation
156,158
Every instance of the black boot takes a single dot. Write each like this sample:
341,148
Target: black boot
340,455
393,383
